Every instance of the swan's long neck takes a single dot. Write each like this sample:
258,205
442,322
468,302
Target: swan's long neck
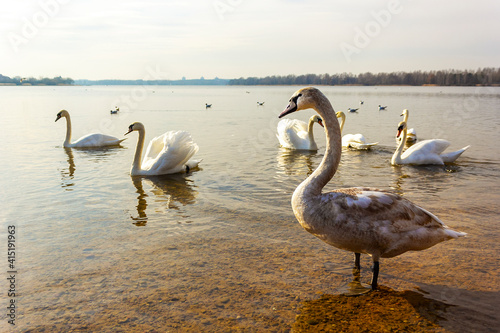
310,132
313,185
67,141
405,117
396,158
136,165
342,121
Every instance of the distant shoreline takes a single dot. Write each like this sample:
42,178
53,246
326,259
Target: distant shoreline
441,78
250,85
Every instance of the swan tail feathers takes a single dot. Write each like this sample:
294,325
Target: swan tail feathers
451,157
455,234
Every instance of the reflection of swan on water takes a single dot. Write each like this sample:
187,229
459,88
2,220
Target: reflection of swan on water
429,180
296,134
296,162
169,192
423,152
168,153
360,220
88,141
67,176
355,141
142,204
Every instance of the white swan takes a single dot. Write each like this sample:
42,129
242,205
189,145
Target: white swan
94,140
296,134
361,220
411,133
356,141
423,152
166,154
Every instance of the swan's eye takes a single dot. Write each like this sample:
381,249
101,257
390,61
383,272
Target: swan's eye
294,99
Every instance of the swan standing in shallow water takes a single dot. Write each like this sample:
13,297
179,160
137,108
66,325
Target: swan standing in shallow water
296,134
423,152
356,141
94,140
166,154
411,133
361,220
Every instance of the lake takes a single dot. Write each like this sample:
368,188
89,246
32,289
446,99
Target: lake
220,247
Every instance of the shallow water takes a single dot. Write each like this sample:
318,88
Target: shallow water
222,242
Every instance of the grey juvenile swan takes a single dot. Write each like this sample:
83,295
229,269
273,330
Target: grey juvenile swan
362,220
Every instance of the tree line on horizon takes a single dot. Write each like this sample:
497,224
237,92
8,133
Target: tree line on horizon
481,76
19,81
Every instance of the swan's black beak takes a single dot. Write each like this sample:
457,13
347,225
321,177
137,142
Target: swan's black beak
292,107
400,130
130,129
58,117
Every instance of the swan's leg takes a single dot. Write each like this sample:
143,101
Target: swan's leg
375,274
357,265
355,288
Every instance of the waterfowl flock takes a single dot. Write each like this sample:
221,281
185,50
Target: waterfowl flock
359,219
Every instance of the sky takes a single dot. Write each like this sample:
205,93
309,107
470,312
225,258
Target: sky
171,39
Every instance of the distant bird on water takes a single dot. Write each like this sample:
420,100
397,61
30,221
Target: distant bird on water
260,103
352,110
380,107
208,106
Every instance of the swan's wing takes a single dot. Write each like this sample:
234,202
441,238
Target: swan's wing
356,141
96,140
435,146
294,124
452,156
292,133
388,221
176,150
376,205
425,152
155,147
346,140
